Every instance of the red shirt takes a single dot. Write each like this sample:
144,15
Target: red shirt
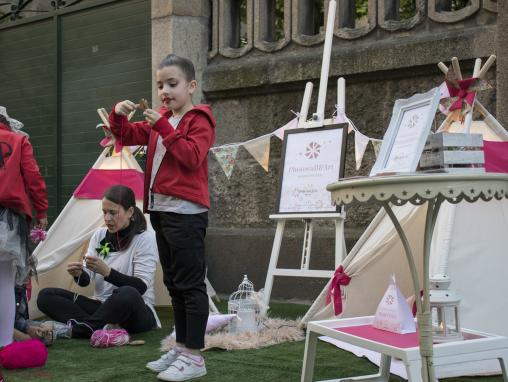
183,172
20,179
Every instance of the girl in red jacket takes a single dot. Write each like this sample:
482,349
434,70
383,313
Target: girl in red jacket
20,183
178,137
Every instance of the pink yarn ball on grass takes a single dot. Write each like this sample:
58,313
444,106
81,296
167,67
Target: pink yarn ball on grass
107,338
25,354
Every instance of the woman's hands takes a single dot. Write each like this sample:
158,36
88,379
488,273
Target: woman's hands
75,269
124,108
97,265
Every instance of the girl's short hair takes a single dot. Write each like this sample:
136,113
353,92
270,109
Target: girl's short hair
185,65
124,196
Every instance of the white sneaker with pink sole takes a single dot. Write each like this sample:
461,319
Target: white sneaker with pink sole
185,367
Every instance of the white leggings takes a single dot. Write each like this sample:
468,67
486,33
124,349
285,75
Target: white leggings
7,302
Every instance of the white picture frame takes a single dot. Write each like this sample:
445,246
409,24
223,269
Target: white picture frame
405,137
311,159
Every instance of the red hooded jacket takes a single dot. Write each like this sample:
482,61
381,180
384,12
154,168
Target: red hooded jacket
183,172
20,179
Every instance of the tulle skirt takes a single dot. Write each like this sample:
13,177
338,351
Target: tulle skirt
14,243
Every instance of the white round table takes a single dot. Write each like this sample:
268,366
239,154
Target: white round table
418,189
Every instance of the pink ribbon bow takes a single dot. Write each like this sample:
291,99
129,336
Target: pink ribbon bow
339,278
461,93
109,140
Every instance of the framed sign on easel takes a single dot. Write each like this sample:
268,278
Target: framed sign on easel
313,157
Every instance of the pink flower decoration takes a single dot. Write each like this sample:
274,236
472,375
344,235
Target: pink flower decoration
37,235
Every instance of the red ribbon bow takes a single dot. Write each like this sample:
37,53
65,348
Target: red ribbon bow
339,278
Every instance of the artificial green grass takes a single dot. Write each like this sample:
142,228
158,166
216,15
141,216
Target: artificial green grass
76,361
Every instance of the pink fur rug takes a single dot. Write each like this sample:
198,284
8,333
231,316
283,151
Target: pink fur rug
275,331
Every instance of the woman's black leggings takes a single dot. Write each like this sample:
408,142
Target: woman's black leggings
125,307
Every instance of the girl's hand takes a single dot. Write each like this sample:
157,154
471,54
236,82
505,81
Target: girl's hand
97,265
75,269
125,108
151,116
42,223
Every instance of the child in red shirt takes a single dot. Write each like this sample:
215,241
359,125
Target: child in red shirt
21,188
178,137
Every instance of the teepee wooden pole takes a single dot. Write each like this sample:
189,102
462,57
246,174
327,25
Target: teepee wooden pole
456,67
469,116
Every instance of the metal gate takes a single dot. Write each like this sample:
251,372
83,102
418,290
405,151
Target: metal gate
56,70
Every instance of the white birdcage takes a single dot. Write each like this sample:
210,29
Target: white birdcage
245,304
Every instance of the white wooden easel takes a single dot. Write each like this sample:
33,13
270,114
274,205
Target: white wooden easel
338,218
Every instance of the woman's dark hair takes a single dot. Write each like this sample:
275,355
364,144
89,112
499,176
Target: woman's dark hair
185,65
125,197
5,121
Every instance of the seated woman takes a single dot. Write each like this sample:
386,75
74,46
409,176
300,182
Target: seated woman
121,259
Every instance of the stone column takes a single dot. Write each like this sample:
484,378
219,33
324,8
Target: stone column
180,27
502,63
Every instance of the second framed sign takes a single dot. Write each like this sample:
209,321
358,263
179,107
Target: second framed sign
311,159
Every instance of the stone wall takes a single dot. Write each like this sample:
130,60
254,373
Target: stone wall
252,92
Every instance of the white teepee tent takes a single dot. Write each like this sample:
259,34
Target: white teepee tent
471,238
67,239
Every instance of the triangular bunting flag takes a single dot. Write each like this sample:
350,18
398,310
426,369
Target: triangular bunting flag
341,118
361,142
376,143
226,156
293,124
259,148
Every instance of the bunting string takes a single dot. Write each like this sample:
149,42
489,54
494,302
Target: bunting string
259,147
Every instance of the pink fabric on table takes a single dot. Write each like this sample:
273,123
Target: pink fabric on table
25,354
368,332
496,156
98,181
402,341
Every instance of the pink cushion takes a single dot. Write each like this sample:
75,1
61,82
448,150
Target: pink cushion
19,355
